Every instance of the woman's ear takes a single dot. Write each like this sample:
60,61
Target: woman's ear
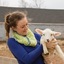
13,28
39,31
56,33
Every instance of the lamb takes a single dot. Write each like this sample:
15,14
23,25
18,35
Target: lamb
49,54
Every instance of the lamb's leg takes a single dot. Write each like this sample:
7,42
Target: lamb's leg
60,52
45,48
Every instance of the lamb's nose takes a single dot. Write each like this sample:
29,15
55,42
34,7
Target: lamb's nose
47,40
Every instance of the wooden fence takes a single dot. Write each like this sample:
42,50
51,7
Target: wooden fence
32,26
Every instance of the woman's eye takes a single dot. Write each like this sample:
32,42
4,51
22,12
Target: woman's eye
22,27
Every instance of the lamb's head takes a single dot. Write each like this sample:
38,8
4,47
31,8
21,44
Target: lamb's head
47,34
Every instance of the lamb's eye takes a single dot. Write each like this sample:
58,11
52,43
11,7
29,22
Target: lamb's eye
51,34
43,34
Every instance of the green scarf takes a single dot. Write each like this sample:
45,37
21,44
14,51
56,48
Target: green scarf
28,40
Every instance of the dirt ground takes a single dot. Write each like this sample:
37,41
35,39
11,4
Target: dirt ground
4,50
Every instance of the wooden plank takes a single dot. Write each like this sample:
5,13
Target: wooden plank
37,15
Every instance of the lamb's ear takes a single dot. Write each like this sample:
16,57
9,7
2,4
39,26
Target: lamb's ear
56,33
39,31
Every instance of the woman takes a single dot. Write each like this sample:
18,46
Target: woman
24,45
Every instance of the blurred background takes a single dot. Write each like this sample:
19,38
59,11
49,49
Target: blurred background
42,4
42,13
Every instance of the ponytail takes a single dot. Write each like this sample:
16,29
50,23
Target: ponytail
7,26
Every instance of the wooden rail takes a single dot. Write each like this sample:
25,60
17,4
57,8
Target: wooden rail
54,26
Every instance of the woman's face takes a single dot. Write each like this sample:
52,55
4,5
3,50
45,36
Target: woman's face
22,26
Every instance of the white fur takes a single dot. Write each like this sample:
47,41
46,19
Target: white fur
48,34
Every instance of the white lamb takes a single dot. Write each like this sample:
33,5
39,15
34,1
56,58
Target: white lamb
48,36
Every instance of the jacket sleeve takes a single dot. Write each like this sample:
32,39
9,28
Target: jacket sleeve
37,36
20,53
